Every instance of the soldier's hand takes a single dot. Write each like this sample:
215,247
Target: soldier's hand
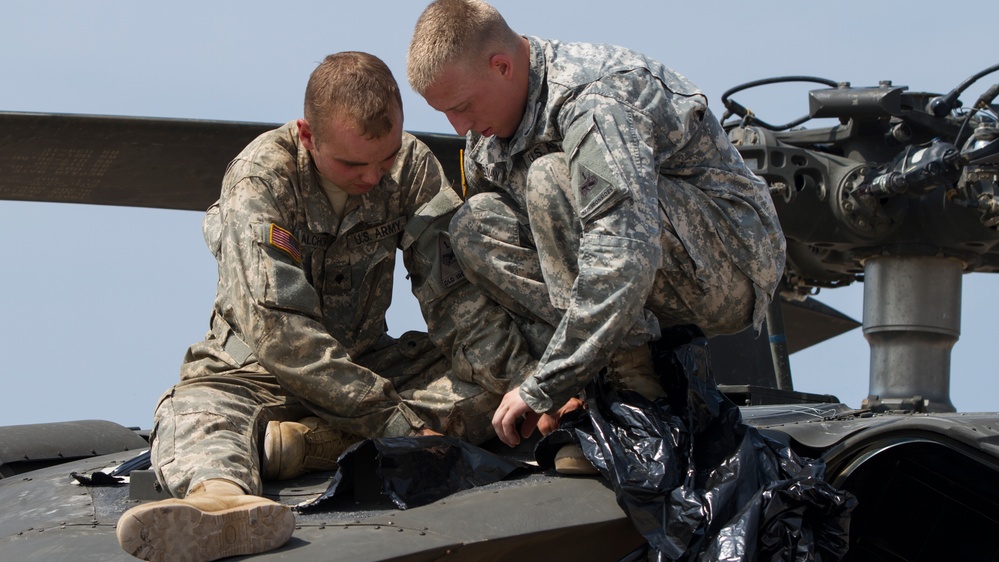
550,422
427,431
510,409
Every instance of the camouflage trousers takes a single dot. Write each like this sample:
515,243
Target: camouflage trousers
528,260
212,426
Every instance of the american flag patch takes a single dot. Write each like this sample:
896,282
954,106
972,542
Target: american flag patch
286,242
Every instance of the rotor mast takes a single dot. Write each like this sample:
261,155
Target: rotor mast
912,319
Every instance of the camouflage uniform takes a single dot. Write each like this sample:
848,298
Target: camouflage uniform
617,207
298,326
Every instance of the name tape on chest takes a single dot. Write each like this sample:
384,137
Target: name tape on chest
315,239
377,233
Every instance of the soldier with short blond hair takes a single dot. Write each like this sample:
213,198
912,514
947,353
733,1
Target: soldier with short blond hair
605,201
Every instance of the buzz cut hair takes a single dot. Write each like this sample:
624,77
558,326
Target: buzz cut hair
355,86
468,32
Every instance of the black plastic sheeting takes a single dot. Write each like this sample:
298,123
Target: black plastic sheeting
698,483
114,478
415,471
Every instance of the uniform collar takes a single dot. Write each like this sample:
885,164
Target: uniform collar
536,94
537,89
318,213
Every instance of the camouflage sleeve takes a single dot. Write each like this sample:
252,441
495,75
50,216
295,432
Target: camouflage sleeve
481,339
612,148
419,175
266,297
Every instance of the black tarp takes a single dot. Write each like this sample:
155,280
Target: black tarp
697,482
415,471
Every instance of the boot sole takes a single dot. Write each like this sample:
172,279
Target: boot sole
570,460
167,531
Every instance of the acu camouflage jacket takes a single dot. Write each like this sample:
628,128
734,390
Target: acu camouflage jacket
300,292
635,130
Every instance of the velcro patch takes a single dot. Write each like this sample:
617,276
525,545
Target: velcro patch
285,241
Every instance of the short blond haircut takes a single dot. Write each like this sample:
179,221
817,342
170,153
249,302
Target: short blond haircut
455,31
356,86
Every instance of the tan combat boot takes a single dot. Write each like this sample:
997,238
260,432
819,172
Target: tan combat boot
216,520
632,369
571,460
628,368
308,445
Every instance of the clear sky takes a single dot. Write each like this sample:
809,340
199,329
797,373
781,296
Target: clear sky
100,303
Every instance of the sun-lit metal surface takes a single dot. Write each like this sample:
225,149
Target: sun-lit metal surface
30,447
536,517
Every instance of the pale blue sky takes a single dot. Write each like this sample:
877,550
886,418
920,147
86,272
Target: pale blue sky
99,303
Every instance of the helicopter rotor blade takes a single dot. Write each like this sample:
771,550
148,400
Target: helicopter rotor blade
134,161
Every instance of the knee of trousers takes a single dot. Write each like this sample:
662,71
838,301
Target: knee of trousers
483,219
549,177
550,169
720,310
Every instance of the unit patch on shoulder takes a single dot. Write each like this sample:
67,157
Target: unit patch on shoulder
285,241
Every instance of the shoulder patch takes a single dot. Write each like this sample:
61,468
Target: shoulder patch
285,241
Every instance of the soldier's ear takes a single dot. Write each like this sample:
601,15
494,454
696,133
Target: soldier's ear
305,134
502,64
